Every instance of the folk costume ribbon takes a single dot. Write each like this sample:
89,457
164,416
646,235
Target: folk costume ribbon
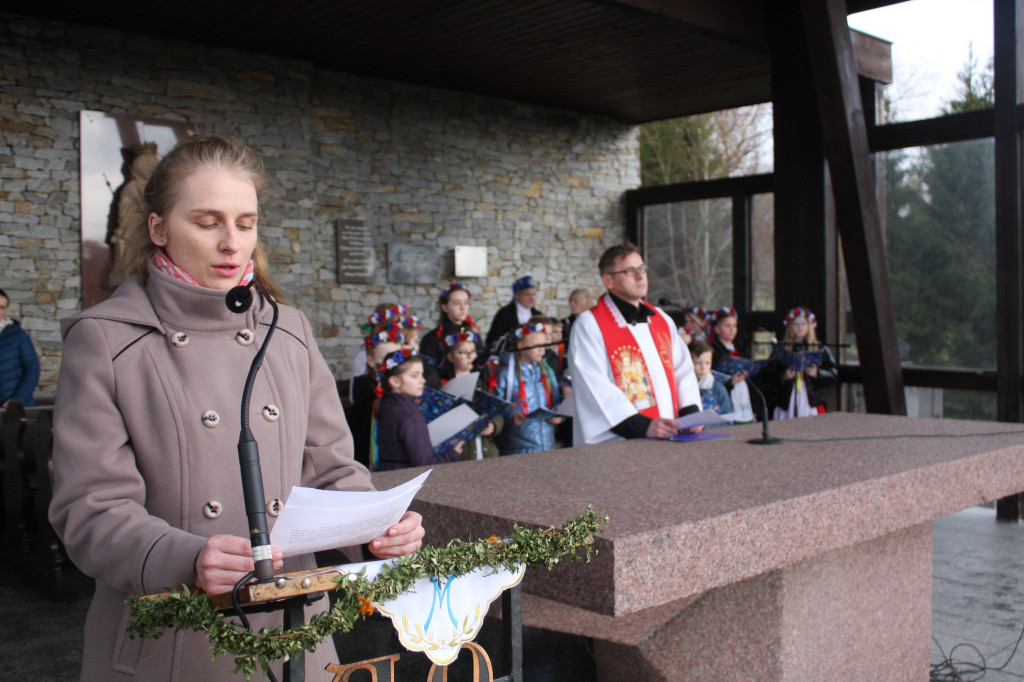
629,366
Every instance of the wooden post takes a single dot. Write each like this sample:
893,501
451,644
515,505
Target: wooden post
1008,17
857,213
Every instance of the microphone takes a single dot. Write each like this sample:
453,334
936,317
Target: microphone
765,439
238,300
665,301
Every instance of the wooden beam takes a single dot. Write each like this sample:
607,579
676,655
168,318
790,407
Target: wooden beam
739,21
857,213
873,56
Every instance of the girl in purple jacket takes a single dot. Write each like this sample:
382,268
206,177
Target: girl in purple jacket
402,436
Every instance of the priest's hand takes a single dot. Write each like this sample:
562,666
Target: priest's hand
662,428
405,537
224,559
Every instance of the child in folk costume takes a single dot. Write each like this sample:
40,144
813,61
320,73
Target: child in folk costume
803,393
725,326
453,304
365,388
696,326
524,378
384,317
713,394
402,439
460,354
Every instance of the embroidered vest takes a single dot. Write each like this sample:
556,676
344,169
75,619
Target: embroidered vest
629,367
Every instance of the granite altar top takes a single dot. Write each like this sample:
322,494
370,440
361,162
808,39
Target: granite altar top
688,517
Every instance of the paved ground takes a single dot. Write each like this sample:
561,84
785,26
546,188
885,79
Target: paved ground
978,603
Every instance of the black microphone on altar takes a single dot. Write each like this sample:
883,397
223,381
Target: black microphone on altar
765,438
238,300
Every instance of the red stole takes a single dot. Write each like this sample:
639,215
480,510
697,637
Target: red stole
629,367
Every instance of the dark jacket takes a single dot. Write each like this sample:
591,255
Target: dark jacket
431,345
402,436
505,320
19,365
778,389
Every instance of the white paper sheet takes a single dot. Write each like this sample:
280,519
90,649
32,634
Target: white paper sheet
462,387
450,423
703,418
315,520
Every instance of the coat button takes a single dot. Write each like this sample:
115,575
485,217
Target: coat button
275,506
245,337
271,413
211,418
179,339
212,509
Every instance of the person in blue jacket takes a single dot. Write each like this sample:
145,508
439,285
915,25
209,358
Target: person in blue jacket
19,364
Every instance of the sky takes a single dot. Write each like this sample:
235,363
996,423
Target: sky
931,41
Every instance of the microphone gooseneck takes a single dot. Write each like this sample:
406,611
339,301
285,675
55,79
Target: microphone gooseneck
239,299
765,439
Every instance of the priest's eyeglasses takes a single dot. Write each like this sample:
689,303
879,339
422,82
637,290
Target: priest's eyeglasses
630,272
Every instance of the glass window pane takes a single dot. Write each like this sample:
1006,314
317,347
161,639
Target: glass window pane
762,251
941,403
940,234
689,252
933,42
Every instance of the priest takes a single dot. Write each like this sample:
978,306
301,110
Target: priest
631,374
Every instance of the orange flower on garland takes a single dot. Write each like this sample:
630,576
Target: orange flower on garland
365,606
493,538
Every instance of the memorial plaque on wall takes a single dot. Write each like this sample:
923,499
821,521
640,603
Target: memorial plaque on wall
412,264
118,154
355,252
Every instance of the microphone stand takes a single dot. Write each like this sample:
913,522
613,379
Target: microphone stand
765,439
239,301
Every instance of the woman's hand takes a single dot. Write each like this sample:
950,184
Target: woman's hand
790,374
518,418
555,420
405,537
489,430
811,371
738,378
224,559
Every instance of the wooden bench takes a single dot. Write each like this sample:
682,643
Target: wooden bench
26,440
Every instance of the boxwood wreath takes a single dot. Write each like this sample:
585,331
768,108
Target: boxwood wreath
188,609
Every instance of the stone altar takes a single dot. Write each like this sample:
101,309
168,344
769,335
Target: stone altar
725,560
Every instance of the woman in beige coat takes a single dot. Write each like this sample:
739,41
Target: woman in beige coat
147,490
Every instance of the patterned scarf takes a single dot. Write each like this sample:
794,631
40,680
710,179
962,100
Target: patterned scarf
165,265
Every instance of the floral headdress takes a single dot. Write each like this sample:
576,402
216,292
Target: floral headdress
452,286
391,335
411,322
697,312
518,333
800,312
453,339
715,315
395,359
387,314
525,282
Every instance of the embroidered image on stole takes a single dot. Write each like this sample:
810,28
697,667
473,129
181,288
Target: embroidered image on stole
632,378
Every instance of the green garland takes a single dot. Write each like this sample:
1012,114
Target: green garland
188,610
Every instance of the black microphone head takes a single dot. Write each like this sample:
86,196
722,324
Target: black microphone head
664,301
239,299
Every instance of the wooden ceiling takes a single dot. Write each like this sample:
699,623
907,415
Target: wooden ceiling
632,60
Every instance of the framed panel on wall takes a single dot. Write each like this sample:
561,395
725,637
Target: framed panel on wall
118,154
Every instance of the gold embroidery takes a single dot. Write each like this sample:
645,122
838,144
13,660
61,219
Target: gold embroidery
633,379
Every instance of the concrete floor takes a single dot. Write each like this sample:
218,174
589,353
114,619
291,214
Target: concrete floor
978,614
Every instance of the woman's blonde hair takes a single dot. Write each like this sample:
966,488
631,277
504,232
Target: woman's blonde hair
193,153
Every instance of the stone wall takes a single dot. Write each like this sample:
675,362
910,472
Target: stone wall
540,188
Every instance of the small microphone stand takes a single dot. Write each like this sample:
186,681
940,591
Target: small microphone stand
765,439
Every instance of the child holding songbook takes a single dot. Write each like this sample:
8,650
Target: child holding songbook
725,327
713,394
402,439
524,378
460,355
802,384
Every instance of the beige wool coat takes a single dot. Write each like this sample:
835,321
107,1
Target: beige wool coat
145,459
